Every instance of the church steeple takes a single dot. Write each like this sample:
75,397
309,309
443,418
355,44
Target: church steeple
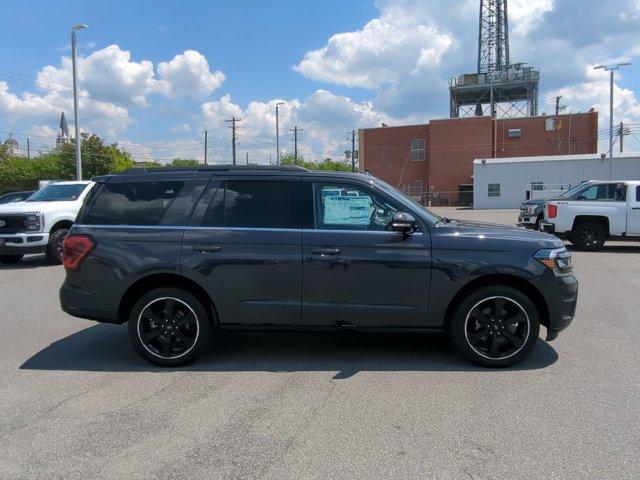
63,132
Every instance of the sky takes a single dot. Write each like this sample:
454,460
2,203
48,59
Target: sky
153,76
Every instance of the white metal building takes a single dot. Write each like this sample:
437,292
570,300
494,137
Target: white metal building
504,182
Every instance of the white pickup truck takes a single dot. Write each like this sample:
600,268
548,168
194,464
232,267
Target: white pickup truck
597,211
41,222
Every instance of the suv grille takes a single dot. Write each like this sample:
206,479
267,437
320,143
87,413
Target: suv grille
12,224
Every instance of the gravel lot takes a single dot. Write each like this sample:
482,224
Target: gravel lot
77,402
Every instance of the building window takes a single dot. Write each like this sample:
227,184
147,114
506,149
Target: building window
494,189
514,132
383,153
550,124
417,150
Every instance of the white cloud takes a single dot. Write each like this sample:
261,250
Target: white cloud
380,53
188,74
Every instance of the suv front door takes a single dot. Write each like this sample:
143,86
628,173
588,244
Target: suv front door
244,246
355,272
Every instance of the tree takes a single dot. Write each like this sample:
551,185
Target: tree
326,164
98,158
184,162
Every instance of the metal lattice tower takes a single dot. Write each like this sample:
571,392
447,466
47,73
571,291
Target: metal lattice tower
499,88
493,36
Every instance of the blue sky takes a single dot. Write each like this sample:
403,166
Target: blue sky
154,75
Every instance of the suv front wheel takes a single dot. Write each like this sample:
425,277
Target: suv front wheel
169,326
495,326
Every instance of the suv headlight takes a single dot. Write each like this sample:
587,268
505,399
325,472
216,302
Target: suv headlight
33,222
557,259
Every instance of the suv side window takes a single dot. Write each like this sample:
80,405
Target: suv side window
347,207
602,192
164,202
260,204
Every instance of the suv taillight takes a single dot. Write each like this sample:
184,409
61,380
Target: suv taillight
76,248
552,210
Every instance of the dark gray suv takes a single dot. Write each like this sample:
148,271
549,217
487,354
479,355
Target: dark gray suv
181,253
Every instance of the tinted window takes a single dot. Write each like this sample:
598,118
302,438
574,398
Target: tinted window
605,191
58,193
144,203
260,204
351,208
638,194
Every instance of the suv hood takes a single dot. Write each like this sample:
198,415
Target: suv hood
29,207
505,233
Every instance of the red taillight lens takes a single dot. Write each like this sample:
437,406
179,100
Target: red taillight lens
552,210
76,248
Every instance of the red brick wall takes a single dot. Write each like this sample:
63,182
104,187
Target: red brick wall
453,144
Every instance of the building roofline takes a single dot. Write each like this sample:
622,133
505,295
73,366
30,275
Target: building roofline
554,158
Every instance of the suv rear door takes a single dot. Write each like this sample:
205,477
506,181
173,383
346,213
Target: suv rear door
355,271
244,246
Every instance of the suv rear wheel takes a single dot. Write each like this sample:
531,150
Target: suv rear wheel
495,326
7,259
588,236
54,248
169,326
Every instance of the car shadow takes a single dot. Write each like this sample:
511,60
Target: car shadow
29,261
632,247
106,348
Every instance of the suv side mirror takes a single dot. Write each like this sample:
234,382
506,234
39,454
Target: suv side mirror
403,223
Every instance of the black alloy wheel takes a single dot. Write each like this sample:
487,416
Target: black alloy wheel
55,247
497,328
168,326
589,236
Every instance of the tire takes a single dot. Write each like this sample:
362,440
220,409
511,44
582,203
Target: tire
477,330
10,259
53,251
538,220
170,340
588,236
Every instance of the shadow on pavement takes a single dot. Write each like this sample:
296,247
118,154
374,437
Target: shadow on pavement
106,348
30,261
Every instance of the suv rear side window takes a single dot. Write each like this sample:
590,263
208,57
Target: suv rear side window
260,204
144,203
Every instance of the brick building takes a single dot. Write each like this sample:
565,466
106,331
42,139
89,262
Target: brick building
435,160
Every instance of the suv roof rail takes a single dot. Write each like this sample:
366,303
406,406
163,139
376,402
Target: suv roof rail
204,168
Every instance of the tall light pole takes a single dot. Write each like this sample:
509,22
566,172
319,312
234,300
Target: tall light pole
74,29
278,134
611,68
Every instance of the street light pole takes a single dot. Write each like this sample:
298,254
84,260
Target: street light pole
278,134
75,98
611,68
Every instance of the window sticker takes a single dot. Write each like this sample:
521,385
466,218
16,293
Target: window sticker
347,210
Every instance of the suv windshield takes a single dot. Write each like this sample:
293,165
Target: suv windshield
58,193
394,192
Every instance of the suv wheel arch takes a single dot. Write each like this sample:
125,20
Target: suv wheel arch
499,279
160,280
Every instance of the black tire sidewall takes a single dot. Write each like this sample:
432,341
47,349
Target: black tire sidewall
575,236
457,325
10,259
53,253
204,325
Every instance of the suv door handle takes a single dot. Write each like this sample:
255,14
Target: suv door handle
207,248
326,251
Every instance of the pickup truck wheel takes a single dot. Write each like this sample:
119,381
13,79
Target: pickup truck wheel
495,326
169,327
588,236
54,248
8,259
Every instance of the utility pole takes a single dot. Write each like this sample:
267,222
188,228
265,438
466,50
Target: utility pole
205,147
558,105
621,137
295,131
74,29
233,136
246,156
611,69
277,135
353,150
29,146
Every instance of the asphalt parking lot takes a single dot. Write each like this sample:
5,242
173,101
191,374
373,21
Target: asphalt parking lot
77,402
